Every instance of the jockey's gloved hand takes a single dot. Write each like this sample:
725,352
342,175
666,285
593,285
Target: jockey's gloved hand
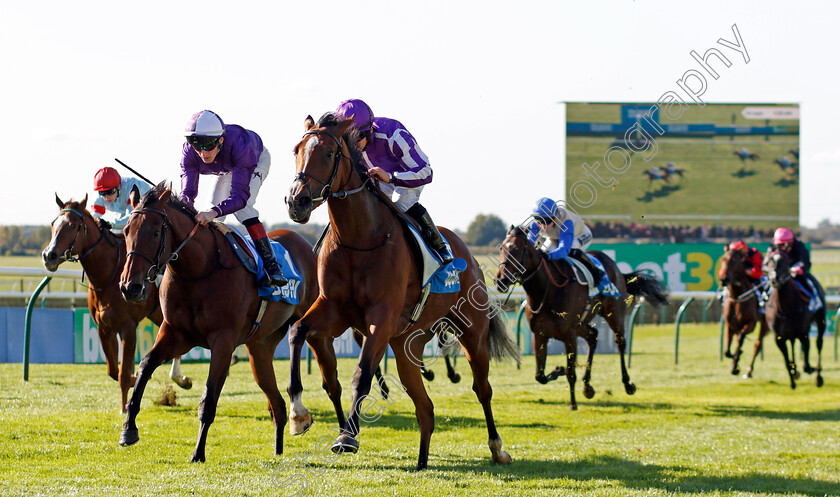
796,271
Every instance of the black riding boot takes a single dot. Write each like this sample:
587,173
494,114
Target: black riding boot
275,275
597,274
430,232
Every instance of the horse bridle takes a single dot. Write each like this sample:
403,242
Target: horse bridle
156,264
521,276
785,277
749,294
68,254
326,191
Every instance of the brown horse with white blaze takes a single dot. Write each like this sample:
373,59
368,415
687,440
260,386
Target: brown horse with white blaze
370,280
77,236
209,299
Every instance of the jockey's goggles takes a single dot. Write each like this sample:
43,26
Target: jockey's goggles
203,142
105,193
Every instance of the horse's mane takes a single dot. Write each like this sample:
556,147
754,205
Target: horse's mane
152,195
103,225
351,137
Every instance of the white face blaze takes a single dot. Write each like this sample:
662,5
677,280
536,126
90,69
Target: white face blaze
310,146
57,227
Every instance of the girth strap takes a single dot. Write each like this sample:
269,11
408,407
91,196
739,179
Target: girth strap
258,321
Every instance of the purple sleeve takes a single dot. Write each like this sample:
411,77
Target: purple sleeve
244,159
416,170
189,175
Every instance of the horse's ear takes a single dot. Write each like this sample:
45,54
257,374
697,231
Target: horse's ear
59,202
308,123
165,191
134,197
83,203
344,126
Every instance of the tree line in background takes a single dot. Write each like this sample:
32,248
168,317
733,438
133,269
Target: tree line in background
23,240
486,230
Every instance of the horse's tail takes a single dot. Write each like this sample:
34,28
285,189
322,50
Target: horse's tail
641,284
499,344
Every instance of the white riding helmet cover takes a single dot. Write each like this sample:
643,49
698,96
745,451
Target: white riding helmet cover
205,123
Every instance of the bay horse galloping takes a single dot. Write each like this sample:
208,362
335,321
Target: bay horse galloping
209,299
370,280
77,236
559,307
789,317
740,308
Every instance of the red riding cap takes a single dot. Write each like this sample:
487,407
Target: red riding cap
105,179
739,245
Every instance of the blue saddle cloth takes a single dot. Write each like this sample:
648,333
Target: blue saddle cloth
289,292
814,301
443,279
605,287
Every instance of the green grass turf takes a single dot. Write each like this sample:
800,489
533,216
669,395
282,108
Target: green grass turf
691,429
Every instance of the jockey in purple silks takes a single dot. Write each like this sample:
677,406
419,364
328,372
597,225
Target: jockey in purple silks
237,157
392,155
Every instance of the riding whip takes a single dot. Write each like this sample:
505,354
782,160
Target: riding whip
123,164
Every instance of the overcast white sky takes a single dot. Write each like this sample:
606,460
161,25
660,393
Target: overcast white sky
477,82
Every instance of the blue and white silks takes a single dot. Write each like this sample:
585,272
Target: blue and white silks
564,246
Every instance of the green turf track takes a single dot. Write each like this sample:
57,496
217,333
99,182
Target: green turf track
691,429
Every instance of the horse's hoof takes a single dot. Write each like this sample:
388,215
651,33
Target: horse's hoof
129,437
735,371
819,380
501,458
300,424
792,386
796,375
455,378
588,391
429,375
197,457
384,391
809,369
630,388
345,443
183,382
573,407
727,354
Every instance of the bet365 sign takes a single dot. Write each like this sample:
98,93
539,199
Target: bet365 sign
683,267
88,350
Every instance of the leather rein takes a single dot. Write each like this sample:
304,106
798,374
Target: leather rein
327,193
154,270
68,254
